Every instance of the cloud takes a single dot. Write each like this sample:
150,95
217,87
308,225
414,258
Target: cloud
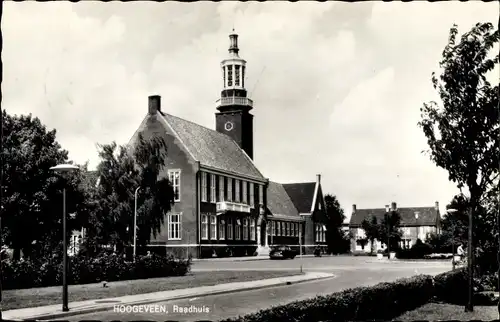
337,87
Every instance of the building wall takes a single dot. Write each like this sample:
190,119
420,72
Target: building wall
410,236
177,158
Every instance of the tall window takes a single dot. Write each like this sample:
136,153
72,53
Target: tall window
237,190
297,229
252,198
244,192
292,229
252,229
229,189
245,229
224,75
213,227
222,229
237,75
174,226
221,188
174,176
273,227
229,75
204,186
278,228
212,188
237,231
204,227
288,229
230,228
243,76
317,232
261,194
323,233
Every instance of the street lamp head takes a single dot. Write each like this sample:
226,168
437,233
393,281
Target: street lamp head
64,168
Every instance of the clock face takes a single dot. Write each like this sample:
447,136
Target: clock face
228,126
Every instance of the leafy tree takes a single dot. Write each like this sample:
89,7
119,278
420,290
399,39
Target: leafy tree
372,230
463,134
122,170
32,205
334,219
389,231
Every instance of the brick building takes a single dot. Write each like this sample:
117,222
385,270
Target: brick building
416,223
224,206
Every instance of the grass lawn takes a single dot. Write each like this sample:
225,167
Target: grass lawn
449,312
16,299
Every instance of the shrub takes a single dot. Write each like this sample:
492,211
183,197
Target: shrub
84,270
382,301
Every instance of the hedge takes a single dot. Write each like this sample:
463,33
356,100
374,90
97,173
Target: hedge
380,302
83,270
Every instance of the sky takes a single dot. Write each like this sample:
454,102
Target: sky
337,87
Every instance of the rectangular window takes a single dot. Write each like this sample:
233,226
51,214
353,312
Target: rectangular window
229,75
288,232
237,75
174,176
213,227
221,188
174,226
230,228
292,229
237,190
317,233
237,230
297,227
229,189
204,227
243,76
261,194
244,192
252,198
245,229
273,232
222,229
252,229
278,224
204,187
212,188
323,236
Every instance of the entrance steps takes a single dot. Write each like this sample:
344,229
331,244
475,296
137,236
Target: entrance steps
263,251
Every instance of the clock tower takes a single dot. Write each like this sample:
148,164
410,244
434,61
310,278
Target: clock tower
233,117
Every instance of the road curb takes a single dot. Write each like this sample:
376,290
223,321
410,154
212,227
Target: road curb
151,301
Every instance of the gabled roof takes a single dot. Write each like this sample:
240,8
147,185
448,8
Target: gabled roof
278,201
427,216
211,148
301,194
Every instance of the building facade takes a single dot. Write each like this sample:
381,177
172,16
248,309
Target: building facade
416,223
221,199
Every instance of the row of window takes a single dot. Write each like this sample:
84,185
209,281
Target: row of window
215,188
320,233
230,228
282,228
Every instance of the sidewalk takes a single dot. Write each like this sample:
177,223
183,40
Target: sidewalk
246,258
91,306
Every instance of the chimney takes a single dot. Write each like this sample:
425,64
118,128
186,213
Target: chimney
154,104
318,178
386,208
353,208
436,206
393,206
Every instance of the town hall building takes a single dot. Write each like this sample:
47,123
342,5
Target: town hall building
224,206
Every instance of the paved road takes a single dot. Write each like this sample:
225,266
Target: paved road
350,272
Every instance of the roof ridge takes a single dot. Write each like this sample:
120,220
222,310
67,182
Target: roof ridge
199,125
308,182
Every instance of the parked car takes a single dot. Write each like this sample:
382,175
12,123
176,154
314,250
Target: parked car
282,252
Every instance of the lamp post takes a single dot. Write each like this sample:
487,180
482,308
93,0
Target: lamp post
470,306
135,221
63,169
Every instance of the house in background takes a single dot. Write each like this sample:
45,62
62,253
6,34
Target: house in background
416,223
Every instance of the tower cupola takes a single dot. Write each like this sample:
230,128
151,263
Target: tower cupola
233,68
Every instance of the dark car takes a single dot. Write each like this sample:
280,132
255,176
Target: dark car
282,252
